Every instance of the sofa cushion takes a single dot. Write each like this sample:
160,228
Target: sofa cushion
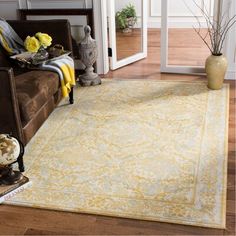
33,89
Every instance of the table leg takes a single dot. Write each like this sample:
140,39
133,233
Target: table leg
71,96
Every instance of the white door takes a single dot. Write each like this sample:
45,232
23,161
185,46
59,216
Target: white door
127,47
187,62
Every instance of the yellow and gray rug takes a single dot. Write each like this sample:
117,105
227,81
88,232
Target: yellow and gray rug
152,150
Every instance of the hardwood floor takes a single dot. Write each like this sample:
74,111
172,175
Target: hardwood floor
128,44
185,46
22,220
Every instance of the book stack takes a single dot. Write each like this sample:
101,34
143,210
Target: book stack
8,191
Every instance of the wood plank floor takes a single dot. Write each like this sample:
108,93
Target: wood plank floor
21,220
185,46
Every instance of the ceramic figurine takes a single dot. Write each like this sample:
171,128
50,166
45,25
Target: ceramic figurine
88,55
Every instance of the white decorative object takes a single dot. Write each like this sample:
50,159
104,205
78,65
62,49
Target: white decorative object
9,149
88,55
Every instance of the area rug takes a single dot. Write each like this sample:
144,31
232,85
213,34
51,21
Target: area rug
142,149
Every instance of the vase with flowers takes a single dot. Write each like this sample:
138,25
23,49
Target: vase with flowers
217,30
37,44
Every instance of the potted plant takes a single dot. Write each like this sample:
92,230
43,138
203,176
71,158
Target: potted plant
126,18
216,64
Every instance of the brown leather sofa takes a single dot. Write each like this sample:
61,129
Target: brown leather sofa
27,97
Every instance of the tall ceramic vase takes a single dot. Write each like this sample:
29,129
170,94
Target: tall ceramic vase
216,66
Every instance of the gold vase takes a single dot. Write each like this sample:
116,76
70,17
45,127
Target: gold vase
216,66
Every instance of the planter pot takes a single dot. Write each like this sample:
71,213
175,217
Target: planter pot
127,30
130,22
216,66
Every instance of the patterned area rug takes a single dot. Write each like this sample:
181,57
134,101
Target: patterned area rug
152,150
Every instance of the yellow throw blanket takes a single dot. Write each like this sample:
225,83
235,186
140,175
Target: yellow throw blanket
65,68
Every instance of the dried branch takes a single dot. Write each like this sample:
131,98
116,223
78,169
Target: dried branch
210,24
204,40
216,30
209,31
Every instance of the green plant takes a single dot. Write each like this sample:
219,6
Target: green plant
122,16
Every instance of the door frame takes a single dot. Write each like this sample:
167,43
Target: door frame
114,63
165,67
100,25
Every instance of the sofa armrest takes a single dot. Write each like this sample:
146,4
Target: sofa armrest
10,121
59,30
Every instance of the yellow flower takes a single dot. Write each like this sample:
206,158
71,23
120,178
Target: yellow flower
31,44
44,39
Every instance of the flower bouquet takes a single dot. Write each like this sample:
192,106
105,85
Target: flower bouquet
37,44
35,47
